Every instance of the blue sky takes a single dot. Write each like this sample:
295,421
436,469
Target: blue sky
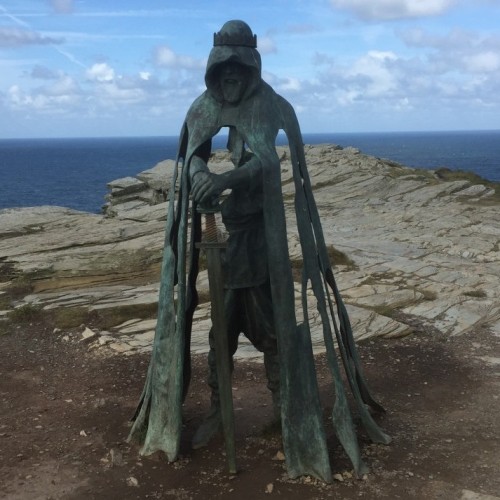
72,68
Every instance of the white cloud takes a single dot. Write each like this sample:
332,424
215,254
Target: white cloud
454,73
266,45
113,95
164,56
64,86
59,97
456,38
483,62
372,75
394,9
101,72
290,85
102,92
457,51
17,37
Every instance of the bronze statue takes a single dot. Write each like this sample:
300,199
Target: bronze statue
259,296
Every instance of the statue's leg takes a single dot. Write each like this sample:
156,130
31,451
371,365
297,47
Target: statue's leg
259,329
272,365
212,423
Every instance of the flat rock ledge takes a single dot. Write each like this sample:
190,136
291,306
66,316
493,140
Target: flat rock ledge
414,250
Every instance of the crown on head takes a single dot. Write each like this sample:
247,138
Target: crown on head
235,39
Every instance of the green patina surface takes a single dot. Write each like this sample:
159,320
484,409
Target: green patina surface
238,98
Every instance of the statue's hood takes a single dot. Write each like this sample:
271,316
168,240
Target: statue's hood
246,56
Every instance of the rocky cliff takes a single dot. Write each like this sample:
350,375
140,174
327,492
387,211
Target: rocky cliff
414,250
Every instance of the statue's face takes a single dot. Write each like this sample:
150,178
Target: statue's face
233,81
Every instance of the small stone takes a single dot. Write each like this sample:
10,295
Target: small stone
269,488
88,335
116,457
280,456
120,347
99,403
66,338
83,433
338,477
132,481
56,330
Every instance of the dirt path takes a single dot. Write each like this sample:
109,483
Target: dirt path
64,411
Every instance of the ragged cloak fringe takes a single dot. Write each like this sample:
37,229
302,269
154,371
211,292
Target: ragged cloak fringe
158,419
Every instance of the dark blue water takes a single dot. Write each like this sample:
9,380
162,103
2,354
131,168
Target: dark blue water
74,172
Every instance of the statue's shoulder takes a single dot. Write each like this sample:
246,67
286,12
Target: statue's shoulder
204,109
280,106
269,94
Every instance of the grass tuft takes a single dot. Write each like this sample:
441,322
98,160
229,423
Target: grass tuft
26,313
447,174
107,318
20,287
339,258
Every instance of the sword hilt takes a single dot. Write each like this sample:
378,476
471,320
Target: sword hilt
210,234
211,237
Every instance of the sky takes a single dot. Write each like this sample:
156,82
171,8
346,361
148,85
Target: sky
102,68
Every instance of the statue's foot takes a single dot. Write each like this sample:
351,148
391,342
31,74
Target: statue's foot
210,426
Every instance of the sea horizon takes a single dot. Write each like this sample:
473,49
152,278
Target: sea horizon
304,133
73,171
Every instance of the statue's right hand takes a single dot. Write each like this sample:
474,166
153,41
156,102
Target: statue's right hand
200,184
207,187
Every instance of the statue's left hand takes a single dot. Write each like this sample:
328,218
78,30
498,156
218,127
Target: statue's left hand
207,187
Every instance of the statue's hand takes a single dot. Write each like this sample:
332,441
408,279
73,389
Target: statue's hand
207,187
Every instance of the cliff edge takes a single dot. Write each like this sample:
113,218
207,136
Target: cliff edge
414,250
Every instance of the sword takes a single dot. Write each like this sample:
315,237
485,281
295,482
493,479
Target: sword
213,248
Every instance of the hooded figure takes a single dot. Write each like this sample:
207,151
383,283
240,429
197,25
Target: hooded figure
259,300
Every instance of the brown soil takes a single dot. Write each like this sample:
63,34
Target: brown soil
64,413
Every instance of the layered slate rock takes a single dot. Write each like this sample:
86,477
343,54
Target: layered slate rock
412,251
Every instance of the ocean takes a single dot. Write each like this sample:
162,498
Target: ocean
74,172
